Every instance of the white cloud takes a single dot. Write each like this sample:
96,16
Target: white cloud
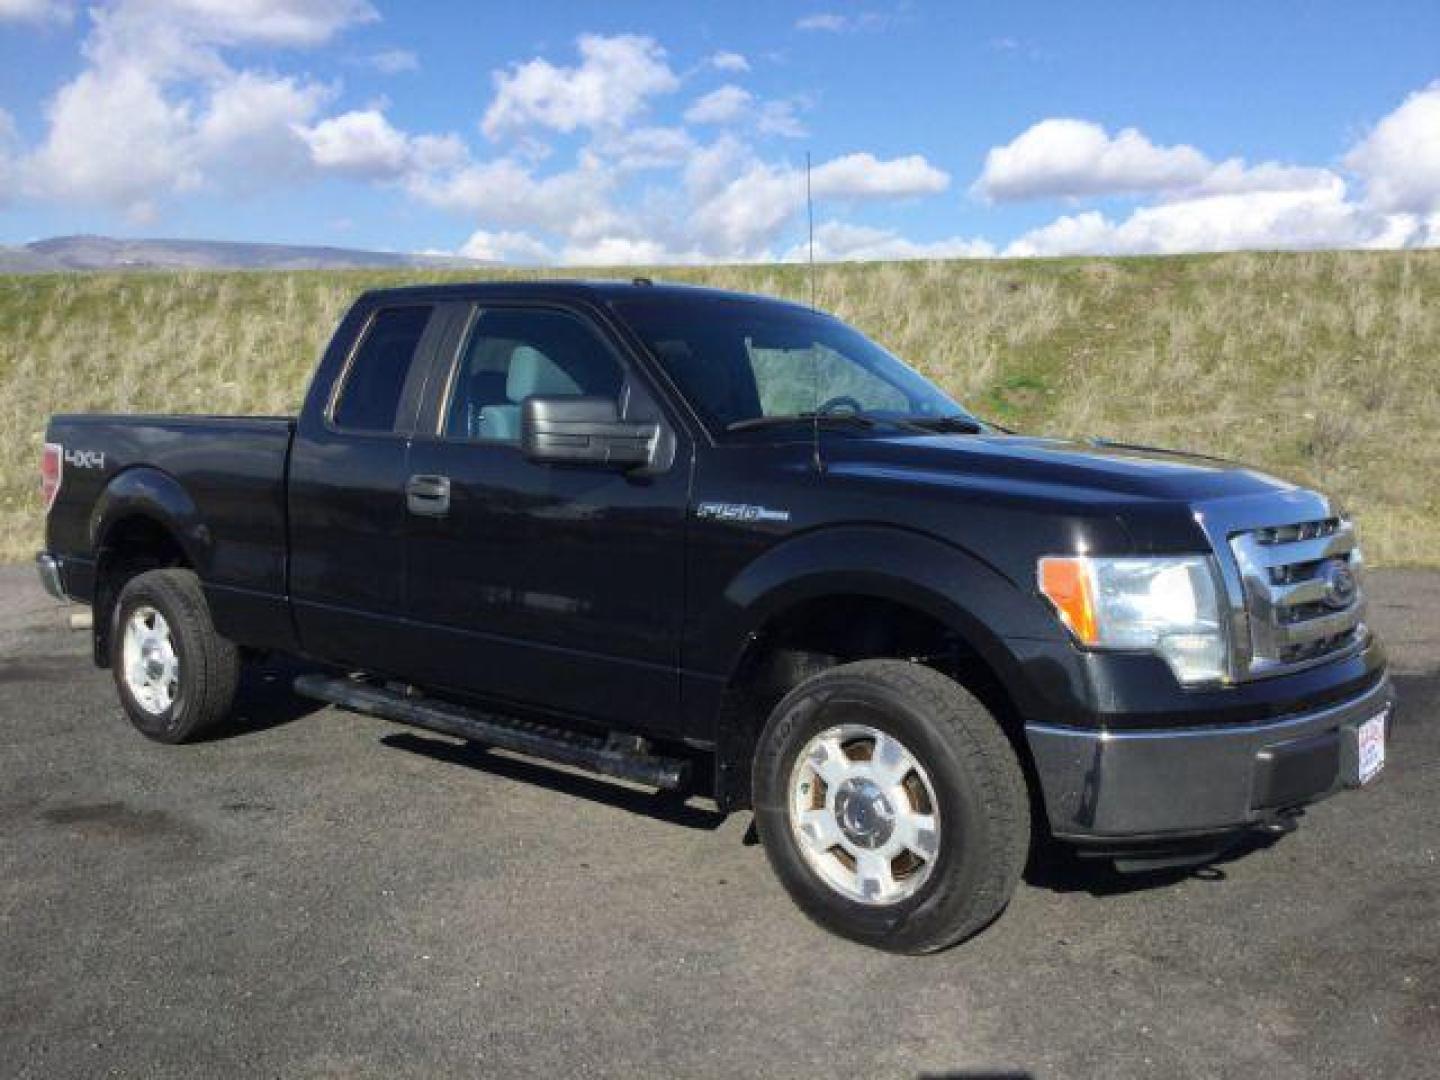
739,205
729,61
616,251
727,105
360,143
364,144
1204,206
506,194
744,213
394,61
863,176
1312,217
1400,159
505,247
731,104
158,112
780,117
830,22
114,138
250,124
839,241
293,23
611,85
826,21
645,147
36,11
1233,177
1073,158
1077,159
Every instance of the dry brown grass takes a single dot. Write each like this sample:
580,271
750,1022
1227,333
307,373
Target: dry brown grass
1321,367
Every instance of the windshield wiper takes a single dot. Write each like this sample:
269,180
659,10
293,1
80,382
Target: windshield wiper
958,424
929,425
831,419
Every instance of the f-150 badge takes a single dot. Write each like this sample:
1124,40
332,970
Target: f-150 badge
722,511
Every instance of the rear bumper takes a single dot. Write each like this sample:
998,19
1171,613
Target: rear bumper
52,575
1196,781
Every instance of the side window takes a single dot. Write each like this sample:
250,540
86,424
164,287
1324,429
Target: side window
514,354
375,381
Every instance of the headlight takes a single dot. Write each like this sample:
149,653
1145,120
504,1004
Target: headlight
1165,605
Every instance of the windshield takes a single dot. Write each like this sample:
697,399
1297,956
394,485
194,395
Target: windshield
739,361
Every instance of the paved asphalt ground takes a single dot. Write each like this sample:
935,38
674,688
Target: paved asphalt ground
326,894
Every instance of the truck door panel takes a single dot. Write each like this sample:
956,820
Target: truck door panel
553,586
346,503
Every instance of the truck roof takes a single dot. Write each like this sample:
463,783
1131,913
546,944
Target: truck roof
603,290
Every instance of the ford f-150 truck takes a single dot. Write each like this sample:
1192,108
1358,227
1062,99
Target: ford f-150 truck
726,545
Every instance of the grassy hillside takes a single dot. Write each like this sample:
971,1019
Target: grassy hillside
1320,367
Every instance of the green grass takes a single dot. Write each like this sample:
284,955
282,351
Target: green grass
1324,368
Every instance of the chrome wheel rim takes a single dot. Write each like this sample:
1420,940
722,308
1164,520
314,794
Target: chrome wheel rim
151,665
864,814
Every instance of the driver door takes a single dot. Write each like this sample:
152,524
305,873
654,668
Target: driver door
553,586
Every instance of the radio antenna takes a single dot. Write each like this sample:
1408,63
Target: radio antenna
816,461
810,220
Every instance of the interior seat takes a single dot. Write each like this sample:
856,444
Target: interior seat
531,374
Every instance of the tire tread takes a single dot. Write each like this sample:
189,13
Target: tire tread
987,757
215,662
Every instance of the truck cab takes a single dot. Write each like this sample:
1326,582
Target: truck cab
724,542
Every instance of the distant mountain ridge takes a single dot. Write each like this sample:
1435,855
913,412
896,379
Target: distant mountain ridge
107,253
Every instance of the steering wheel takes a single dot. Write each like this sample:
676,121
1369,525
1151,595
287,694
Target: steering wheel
833,405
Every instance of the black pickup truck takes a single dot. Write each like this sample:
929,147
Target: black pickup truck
727,545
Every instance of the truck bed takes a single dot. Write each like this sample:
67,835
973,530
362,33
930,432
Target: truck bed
224,476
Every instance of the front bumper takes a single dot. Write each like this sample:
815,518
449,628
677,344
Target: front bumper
51,575
1196,781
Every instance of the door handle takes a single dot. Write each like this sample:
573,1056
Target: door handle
427,495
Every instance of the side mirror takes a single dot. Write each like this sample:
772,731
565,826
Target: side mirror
584,431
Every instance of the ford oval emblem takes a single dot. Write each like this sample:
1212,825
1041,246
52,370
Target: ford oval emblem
1340,585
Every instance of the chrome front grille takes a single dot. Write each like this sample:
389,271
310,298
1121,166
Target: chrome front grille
1302,593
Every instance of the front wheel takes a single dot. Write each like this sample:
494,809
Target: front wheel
891,805
176,676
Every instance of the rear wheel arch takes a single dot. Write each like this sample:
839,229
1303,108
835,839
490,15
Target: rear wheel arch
150,495
143,520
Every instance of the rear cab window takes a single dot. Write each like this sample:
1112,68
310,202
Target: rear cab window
381,371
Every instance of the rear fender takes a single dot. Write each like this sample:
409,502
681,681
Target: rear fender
156,497
151,493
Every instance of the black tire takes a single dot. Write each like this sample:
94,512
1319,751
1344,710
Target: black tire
978,783
208,665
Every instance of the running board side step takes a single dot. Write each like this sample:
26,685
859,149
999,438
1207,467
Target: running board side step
621,757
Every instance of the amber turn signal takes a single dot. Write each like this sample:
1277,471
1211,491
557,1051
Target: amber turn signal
1068,584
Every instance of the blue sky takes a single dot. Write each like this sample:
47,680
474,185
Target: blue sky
640,132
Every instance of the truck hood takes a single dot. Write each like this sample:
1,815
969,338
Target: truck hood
1080,469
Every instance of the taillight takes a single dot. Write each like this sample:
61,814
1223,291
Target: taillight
51,466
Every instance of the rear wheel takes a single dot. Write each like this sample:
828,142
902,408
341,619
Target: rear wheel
175,675
891,805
